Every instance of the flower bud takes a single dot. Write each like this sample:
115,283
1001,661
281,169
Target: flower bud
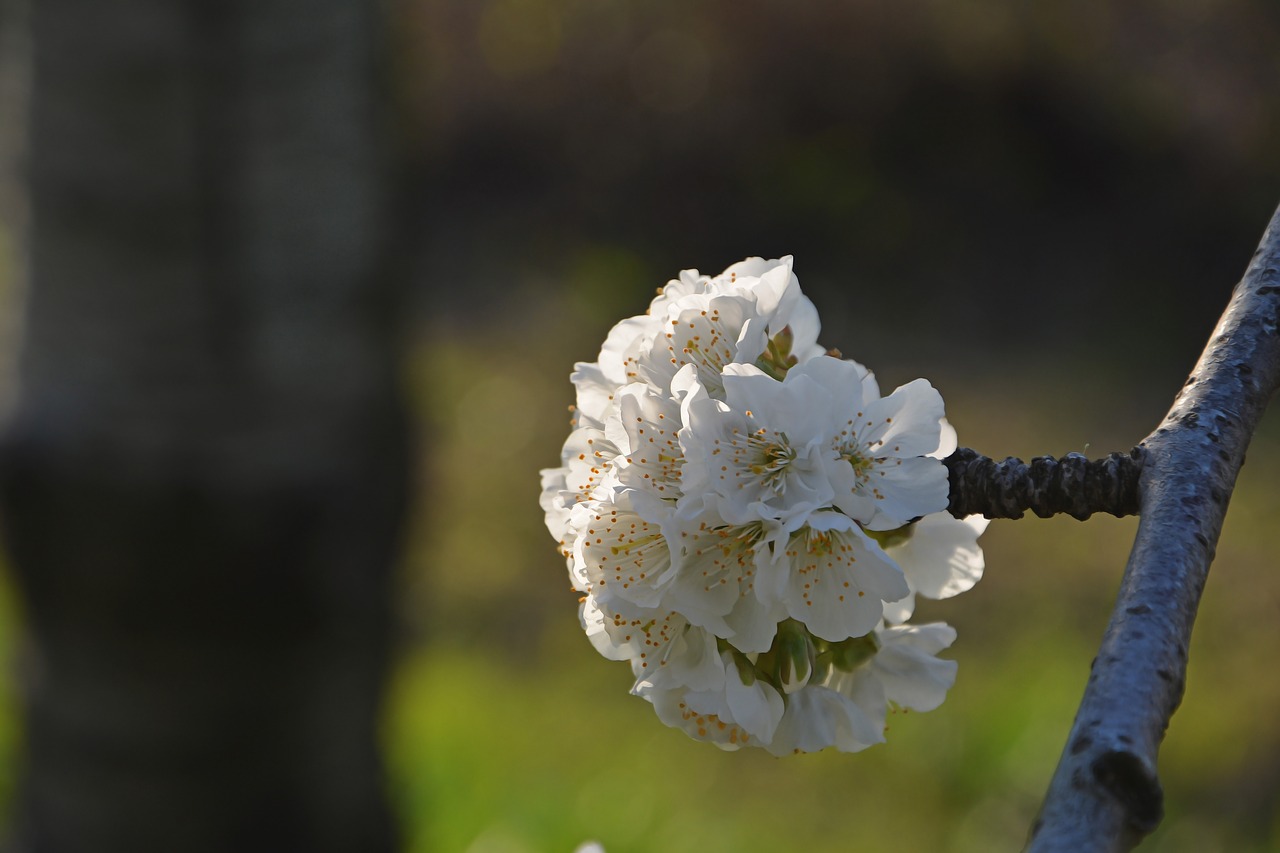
794,656
777,357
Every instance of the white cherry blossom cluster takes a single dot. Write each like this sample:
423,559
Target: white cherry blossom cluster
748,521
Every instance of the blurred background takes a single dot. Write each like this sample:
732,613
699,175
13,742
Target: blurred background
1042,208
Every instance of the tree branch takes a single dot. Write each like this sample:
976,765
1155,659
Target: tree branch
1105,794
1073,485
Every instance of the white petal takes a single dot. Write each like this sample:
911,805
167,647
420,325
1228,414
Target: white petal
802,319
906,423
690,661
942,558
948,441
588,455
757,707
594,394
703,715
752,623
898,491
760,452
555,504
929,638
597,627
645,429
717,574
794,406
626,340
864,689
707,331
839,578
906,666
620,553
844,385
897,612
817,717
688,282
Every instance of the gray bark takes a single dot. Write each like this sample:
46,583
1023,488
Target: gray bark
203,482
1105,794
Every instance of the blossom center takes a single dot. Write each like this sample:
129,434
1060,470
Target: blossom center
772,457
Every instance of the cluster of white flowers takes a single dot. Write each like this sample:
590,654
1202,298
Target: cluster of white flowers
749,521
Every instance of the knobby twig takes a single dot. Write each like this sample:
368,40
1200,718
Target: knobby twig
1073,485
1105,795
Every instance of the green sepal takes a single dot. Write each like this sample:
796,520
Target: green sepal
890,538
848,655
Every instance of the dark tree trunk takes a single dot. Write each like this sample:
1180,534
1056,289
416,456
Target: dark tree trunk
204,479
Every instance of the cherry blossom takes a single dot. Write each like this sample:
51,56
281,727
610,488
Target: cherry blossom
748,520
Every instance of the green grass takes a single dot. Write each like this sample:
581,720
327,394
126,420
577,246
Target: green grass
543,757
